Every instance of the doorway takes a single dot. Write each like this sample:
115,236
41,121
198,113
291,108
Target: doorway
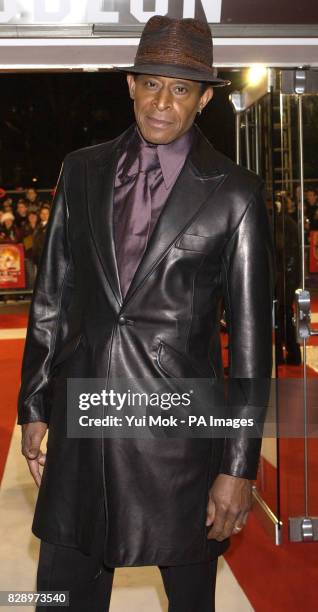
276,131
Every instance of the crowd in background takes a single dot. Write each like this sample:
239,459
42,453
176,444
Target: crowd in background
24,217
288,266
311,207
24,220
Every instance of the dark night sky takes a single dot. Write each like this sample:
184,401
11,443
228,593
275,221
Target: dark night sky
44,116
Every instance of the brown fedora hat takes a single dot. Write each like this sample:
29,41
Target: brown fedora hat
179,48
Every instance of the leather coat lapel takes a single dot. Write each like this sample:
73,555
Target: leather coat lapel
101,173
197,181
100,209
195,184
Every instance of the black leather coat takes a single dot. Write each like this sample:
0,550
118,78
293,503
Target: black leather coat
212,240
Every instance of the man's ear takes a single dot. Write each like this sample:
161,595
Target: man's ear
131,85
206,98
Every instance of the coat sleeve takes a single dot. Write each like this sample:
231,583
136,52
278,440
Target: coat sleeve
248,287
48,307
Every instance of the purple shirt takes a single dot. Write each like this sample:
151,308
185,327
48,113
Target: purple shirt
172,157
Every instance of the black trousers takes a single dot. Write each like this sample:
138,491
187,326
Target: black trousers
189,588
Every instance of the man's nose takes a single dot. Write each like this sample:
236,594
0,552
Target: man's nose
163,99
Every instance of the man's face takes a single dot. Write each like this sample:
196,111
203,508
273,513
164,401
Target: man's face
22,209
31,195
311,197
32,218
44,214
165,107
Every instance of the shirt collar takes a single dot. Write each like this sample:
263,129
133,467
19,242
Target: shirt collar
171,156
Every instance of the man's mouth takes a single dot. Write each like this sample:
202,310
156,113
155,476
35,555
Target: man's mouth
158,123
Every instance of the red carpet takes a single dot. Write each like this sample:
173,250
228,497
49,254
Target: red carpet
274,578
285,577
13,321
10,360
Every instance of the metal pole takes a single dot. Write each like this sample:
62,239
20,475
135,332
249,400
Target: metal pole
247,141
257,164
238,137
302,208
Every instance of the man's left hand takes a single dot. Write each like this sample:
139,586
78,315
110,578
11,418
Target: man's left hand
230,500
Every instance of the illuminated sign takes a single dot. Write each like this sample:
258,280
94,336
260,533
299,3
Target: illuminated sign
97,11
127,12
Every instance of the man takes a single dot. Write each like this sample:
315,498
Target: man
174,226
39,233
311,207
287,281
32,198
28,235
21,216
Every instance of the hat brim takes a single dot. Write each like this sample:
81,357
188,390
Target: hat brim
179,72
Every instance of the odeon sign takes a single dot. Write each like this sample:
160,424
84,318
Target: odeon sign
93,11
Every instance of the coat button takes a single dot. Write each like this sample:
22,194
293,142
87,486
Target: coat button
122,320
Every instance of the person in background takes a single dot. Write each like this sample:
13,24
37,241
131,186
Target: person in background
288,280
291,207
39,233
297,195
9,232
32,198
311,207
21,215
314,222
7,205
28,232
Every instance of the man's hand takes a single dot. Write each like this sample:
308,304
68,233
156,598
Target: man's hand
32,436
230,500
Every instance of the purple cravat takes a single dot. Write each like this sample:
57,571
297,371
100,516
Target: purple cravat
138,217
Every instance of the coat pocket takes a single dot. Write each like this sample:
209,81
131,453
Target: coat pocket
178,365
194,242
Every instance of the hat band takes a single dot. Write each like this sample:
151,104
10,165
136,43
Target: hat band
183,61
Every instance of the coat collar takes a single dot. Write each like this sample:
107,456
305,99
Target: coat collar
171,157
200,176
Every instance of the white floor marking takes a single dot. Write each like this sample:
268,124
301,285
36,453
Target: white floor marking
12,334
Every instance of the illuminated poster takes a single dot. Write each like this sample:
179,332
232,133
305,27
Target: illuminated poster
12,275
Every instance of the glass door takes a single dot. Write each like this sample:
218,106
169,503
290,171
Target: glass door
254,112
297,190
277,136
